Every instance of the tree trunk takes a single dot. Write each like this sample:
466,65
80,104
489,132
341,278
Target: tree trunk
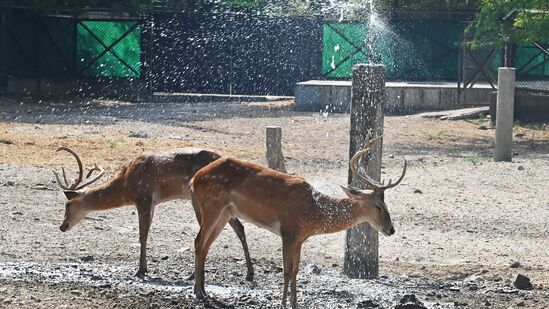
275,158
367,107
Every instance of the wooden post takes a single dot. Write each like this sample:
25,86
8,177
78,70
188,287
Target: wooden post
367,106
275,158
504,114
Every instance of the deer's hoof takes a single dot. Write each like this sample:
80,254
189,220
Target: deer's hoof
250,276
199,292
141,273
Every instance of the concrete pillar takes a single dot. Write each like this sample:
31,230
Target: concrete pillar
367,108
504,114
275,158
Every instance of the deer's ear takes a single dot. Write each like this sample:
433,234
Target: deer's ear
351,192
70,194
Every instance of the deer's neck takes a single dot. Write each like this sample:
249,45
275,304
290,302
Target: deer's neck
109,195
337,214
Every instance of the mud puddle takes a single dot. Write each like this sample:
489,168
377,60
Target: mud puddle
328,289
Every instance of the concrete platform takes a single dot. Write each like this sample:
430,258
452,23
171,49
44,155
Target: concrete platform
402,97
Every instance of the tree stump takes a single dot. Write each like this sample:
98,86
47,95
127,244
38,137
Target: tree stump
367,107
275,158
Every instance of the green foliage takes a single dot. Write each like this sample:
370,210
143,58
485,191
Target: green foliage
438,135
513,21
473,159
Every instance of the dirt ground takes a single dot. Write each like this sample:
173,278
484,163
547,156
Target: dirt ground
465,225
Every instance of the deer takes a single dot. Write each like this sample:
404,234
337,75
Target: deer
146,181
286,205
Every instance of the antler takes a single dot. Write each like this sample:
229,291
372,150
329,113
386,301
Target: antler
76,185
96,178
353,164
80,171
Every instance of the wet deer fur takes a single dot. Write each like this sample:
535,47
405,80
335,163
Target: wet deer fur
283,204
145,181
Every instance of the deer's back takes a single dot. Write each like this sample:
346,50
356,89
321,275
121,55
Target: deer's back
257,194
165,176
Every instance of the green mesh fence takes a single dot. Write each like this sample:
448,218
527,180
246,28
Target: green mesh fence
108,48
22,47
343,45
57,47
531,63
410,50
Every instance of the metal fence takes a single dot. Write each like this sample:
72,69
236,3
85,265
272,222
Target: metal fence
411,50
67,47
232,53
480,66
247,53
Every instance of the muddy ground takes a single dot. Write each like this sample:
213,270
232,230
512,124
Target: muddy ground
465,225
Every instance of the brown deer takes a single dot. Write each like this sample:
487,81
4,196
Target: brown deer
145,181
283,204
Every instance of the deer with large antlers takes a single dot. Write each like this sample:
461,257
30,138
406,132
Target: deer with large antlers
283,204
145,182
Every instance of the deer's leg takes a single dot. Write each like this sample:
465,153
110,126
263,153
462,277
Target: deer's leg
293,280
288,247
211,227
239,230
145,212
199,220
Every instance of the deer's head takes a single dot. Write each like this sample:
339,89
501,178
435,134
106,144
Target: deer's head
75,207
372,201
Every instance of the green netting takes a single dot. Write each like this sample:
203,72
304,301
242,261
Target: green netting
57,47
531,63
108,48
410,50
343,47
22,47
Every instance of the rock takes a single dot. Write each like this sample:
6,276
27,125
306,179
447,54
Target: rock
522,283
138,134
487,303
409,301
76,292
519,135
515,264
521,304
87,258
466,113
164,258
35,299
313,269
418,191
520,168
482,127
368,304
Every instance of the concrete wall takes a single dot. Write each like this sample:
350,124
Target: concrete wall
528,106
402,97
113,88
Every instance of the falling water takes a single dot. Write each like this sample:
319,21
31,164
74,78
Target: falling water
373,21
384,45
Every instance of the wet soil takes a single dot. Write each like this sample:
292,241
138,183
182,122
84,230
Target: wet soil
465,225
